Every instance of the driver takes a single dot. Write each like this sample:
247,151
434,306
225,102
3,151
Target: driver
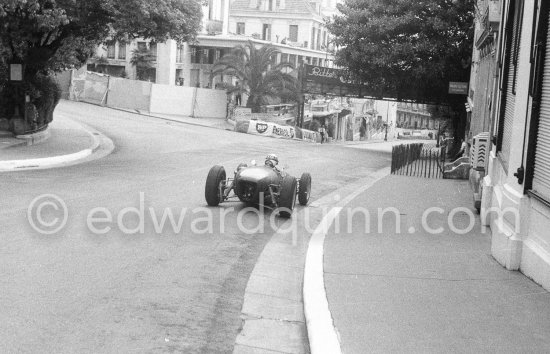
272,161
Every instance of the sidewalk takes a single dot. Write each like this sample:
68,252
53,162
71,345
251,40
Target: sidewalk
68,143
415,291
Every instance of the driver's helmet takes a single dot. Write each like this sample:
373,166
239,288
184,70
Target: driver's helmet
271,160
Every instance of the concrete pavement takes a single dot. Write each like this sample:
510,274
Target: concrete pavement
65,142
432,286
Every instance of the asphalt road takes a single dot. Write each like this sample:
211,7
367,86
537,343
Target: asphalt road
129,287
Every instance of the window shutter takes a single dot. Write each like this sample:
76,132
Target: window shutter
541,177
510,89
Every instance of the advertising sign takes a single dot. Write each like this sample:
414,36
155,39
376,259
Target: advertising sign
326,75
458,88
271,129
309,135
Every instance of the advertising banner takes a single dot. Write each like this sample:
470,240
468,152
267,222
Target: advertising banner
310,136
271,129
279,131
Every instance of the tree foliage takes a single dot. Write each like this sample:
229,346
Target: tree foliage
50,35
405,49
142,59
258,76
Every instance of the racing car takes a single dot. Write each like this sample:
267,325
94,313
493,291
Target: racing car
258,185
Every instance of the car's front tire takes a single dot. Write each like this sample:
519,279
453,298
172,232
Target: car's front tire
304,190
212,191
287,197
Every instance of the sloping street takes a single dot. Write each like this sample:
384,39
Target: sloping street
168,289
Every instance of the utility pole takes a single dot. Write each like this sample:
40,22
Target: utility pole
386,125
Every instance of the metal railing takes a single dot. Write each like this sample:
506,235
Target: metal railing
419,160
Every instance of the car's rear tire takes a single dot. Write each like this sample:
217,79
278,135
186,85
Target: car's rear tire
305,188
287,197
212,190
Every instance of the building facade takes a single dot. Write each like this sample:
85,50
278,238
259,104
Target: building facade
516,191
415,116
482,77
482,87
295,27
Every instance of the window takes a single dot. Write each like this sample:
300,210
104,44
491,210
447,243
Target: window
142,45
153,50
318,39
325,39
313,5
313,38
111,50
293,33
266,32
538,154
270,5
240,27
122,50
508,75
195,55
179,54
292,59
211,56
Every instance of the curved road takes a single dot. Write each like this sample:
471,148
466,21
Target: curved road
166,289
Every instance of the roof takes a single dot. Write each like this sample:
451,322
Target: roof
291,6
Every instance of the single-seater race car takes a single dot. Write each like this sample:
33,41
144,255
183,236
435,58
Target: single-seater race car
261,185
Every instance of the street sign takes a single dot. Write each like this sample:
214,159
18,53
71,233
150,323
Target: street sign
16,72
458,88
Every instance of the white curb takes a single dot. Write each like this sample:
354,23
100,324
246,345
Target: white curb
12,165
52,161
320,328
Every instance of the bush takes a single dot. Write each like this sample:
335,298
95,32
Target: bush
44,95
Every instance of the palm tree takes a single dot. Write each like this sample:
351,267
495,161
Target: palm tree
257,74
143,60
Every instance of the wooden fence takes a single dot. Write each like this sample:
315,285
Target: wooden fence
420,160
